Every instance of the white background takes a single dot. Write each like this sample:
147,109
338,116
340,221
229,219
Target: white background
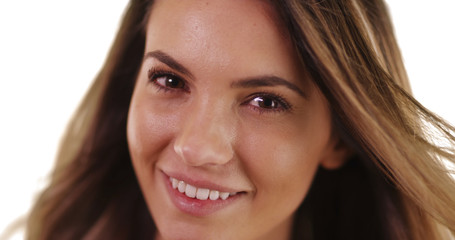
51,50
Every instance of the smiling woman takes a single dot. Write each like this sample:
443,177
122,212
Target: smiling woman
273,120
205,106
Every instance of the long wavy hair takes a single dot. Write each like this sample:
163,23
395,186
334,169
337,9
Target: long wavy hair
396,185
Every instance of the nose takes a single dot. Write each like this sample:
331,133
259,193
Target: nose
206,135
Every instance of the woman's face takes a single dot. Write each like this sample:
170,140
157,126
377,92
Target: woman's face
225,130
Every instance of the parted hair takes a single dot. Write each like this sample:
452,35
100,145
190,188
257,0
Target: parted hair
395,186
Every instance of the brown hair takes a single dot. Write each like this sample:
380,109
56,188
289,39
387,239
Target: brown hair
395,187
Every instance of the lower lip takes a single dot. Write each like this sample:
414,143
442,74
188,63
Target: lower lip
194,206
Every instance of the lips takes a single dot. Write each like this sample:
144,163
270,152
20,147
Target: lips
199,192
200,198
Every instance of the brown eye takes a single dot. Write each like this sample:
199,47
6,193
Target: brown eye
265,102
169,81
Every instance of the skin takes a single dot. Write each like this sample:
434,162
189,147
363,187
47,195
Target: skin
210,126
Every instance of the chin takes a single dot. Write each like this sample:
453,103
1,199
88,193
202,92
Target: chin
197,230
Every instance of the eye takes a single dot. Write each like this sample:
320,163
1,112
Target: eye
169,81
166,81
268,102
265,102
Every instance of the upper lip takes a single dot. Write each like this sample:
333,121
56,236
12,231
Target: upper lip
201,183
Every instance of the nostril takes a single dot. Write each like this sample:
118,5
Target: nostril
178,150
184,152
194,152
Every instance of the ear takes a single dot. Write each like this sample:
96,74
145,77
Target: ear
336,155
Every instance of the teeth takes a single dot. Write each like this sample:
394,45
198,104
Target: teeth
182,186
199,193
224,195
202,193
175,183
214,195
190,191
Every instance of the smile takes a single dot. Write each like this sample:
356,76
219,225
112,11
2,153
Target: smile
199,197
199,193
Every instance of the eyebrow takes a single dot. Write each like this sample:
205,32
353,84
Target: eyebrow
168,60
252,82
267,81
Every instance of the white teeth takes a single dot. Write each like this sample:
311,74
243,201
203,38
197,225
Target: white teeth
190,191
175,183
199,193
224,195
182,186
202,193
214,195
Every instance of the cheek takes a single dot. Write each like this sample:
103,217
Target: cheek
280,164
282,161
148,131
281,173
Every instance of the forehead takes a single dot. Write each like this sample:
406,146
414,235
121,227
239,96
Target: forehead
252,16
219,30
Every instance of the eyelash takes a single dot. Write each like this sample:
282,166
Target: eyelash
283,104
154,74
